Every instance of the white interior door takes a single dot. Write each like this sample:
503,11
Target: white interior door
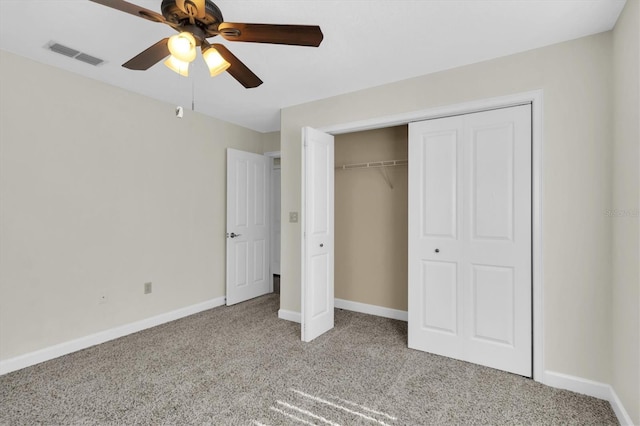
470,276
248,225
317,269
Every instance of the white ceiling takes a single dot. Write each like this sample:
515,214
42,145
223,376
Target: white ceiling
366,44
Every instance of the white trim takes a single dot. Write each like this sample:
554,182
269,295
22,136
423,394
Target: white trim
623,416
365,308
289,315
535,97
577,384
46,354
271,219
303,235
436,112
273,155
590,388
537,120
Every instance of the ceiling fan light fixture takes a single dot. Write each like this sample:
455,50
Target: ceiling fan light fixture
183,46
196,21
176,65
215,62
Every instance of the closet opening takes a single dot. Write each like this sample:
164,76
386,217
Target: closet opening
371,221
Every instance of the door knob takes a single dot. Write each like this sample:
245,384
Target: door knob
437,250
233,235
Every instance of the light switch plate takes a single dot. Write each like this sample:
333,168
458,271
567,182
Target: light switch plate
293,217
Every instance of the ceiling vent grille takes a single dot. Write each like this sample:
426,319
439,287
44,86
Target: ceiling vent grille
63,50
73,53
91,60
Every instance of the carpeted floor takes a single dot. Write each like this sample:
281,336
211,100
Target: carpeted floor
242,365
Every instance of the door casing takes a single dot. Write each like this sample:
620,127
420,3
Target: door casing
275,237
535,98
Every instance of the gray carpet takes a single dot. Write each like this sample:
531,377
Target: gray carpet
243,366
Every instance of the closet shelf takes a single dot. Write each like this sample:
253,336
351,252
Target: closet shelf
373,164
376,165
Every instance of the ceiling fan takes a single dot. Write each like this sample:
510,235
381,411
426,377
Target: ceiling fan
198,20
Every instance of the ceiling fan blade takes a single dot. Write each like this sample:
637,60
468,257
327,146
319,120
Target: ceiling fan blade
146,59
296,35
238,70
193,8
132,9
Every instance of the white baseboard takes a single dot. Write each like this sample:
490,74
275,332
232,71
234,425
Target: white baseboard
623,416
46,354
371,309
577,384
591,388
289,315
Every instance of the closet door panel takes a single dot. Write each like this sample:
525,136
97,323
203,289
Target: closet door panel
435,199
439,184
470,238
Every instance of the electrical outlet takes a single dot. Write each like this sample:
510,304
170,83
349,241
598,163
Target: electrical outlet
293,217
147,288
102,299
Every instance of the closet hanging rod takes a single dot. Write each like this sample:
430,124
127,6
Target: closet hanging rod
373,164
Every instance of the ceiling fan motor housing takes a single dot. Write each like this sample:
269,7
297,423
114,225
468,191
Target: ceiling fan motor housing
208,24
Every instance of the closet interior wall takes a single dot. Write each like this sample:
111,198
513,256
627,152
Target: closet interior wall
371,219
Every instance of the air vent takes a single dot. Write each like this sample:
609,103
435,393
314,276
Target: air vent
91,60
73,53
63,50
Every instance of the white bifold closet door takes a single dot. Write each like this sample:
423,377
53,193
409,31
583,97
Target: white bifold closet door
470,278
318,250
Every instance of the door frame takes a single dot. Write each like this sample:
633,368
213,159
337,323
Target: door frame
535,98
274,155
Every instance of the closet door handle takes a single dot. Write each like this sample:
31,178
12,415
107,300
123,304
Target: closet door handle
437,250
321,244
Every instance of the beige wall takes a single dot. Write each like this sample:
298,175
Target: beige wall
270,142
626,205
102,190
576,79
371,219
